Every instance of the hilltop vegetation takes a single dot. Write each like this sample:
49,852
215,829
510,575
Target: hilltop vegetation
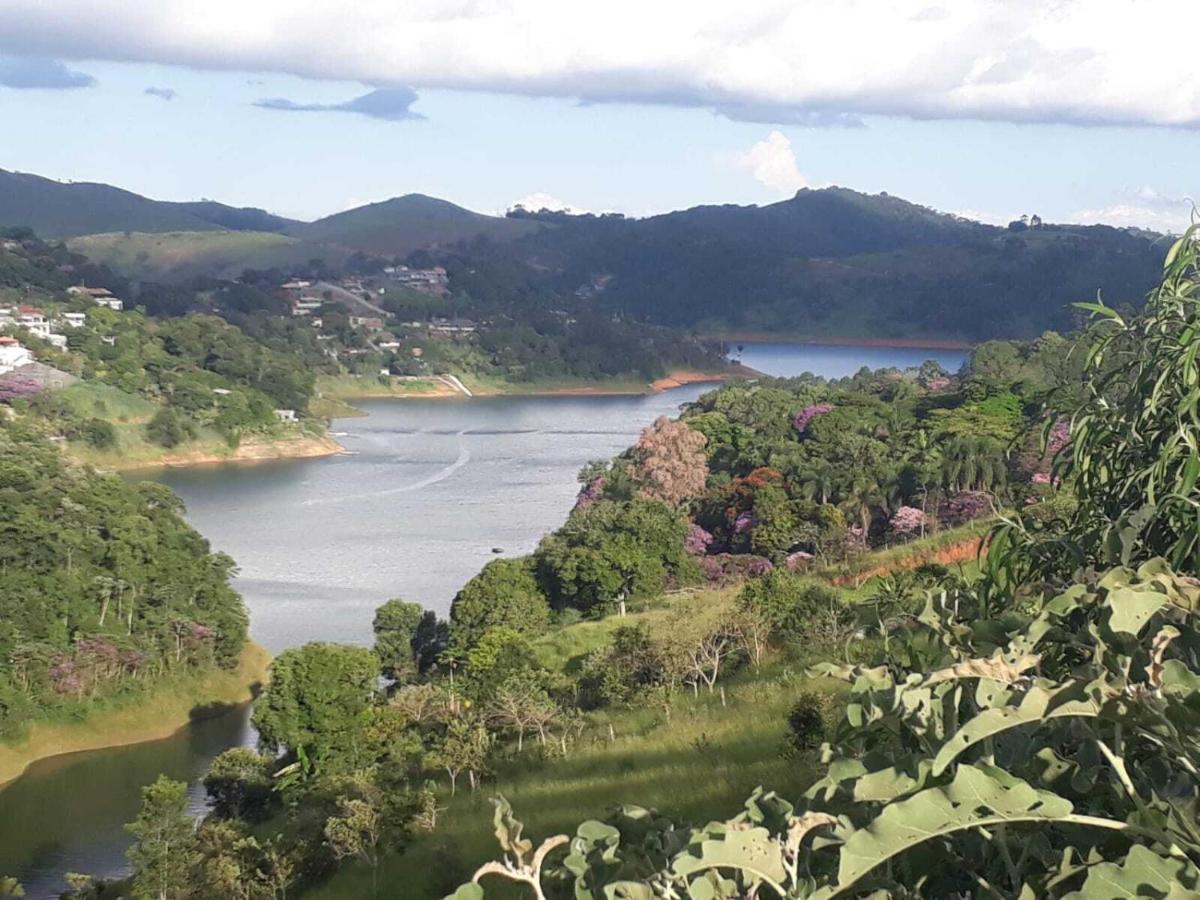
401,225
66,209
835,262
105,591
827,263
1024,729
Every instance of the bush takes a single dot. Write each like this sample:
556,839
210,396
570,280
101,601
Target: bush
169,429
99,434
806,722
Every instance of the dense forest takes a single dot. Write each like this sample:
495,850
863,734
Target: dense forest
831,262
1034,712
106,590
1024,727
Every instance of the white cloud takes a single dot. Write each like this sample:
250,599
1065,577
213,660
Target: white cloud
538,201
779,61
987,217
773,164
1142,207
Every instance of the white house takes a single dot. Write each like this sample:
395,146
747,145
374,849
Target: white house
74,319
100,296
34,320
12,355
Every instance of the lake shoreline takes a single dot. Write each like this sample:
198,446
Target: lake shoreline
766,337
434,389
172,707
250,451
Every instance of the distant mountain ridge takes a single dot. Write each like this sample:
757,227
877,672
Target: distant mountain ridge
825,262
56,209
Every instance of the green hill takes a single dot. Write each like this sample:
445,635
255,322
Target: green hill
831,263
66,209
403,224
175,256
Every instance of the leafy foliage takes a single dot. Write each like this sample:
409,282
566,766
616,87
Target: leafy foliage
105,587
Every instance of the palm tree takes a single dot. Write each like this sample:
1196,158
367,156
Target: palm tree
819,482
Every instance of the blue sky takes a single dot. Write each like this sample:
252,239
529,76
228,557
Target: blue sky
597,139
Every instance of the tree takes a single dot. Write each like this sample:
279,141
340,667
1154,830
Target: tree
164,841
355,831
315,704
238,784
504,594
396,624
169,429
695,640
522,704
1129,455
668,462
609,553
464,747
502,653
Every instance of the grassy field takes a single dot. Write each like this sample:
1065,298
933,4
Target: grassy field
139,717
702,764
129,413
176,255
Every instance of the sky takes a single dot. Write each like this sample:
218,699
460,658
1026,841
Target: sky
1076,110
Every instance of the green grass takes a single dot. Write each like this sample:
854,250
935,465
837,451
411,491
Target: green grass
700,765
139,715
175,255
103,401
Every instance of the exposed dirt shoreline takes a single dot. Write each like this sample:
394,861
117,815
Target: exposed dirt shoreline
760,337
249,451
155,716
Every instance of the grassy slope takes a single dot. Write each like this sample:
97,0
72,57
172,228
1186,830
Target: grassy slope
177,255
700,765
142,716
129,413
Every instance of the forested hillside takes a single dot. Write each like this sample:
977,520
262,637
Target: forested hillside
1025,726
837,263
105,589
827,263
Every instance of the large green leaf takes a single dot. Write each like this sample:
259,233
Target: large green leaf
750,850
977,797
1133,607
1039,704
1143,874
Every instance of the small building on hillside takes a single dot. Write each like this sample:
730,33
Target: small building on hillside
305,305
452,326
74,319
13,354
285,415
99,296
30,318
370,323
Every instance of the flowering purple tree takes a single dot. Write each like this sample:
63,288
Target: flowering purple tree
801,559
16,388
907,521
801,419
967,505
697,541
590,492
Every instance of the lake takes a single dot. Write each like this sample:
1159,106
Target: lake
425,492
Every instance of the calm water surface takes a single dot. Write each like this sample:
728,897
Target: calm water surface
427,490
